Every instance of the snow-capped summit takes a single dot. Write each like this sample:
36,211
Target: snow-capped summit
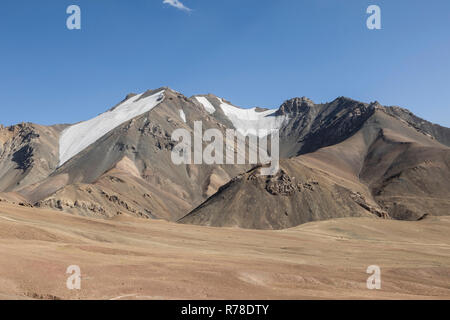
251,121
78,137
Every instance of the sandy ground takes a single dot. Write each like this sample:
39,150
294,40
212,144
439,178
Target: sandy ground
128,258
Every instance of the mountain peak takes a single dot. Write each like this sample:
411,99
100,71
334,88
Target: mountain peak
296,105
130,95
343,99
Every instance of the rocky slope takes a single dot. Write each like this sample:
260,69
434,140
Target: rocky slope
28,154
383,166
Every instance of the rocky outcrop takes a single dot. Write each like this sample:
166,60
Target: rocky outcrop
28,154
95,208
295,106
283,184
361,200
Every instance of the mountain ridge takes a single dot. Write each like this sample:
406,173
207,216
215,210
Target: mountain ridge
349,147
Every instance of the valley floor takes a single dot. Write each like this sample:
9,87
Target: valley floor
128,258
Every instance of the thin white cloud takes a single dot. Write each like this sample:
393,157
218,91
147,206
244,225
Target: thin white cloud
177,4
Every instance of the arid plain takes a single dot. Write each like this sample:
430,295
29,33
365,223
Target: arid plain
130,258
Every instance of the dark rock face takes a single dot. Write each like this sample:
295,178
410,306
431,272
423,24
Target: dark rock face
295,106
314,126
25,135
337,122
23,158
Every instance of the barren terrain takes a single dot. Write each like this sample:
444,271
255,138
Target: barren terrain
131,258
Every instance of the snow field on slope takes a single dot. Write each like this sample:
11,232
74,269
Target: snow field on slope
183,116
78,137
250,122
206,104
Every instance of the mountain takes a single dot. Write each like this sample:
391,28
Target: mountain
353,160
339,159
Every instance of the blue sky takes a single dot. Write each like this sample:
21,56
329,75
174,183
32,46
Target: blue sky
252,52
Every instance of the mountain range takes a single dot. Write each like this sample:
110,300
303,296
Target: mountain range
344,158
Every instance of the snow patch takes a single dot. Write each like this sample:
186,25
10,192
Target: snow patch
251,122
183,116
78,137
206,104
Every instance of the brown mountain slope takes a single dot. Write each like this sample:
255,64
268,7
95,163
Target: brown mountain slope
296,195
409,180
156,188
120,190
386,158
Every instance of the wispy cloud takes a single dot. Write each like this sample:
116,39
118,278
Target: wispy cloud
177,4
